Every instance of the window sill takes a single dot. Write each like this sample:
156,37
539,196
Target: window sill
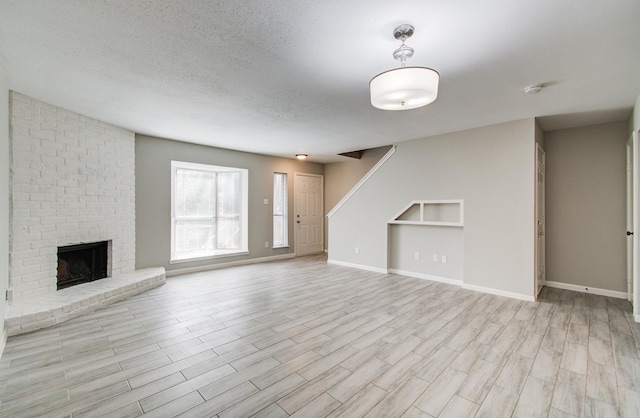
280,246
208,257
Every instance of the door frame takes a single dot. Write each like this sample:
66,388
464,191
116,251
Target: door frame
295,209
633,223
540,229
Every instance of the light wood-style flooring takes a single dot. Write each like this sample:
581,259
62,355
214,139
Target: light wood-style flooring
306,339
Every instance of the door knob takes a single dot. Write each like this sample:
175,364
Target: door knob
298,221
629,233
541,233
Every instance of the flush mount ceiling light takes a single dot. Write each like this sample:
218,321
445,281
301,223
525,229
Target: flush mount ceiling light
405,87
301,156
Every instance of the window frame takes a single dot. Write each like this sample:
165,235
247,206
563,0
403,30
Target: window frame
285,207
243,215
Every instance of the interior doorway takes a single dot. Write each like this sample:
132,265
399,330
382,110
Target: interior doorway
308,218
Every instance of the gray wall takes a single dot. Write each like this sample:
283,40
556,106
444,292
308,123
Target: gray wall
427,241
586,206
153,197
635,117
491,168
4,199
339,178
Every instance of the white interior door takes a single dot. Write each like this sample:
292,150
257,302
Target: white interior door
633,287
540,219
308,191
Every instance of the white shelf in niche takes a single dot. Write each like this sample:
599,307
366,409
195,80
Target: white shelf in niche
431,212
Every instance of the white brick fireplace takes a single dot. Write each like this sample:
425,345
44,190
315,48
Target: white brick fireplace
72,182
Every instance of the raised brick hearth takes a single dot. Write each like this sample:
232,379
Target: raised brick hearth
60,306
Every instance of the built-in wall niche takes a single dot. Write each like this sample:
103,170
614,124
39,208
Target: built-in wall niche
431,212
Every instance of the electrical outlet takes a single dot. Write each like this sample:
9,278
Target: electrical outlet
357,250
266,244
443,259
265,201
416,255
435,258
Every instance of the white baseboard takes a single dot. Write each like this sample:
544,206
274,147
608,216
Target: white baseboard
587,289
498,292
198,269
463,285
426,277
437,279
358,266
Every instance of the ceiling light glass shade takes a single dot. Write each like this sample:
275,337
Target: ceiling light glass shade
404,88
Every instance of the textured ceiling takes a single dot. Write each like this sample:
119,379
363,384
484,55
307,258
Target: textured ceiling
283,77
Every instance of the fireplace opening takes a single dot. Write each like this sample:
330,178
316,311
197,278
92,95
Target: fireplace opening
82,263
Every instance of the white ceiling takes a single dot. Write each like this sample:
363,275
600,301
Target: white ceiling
283,77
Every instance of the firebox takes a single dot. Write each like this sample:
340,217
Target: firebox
82,263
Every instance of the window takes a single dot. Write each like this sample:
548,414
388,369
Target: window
208,210
280,235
